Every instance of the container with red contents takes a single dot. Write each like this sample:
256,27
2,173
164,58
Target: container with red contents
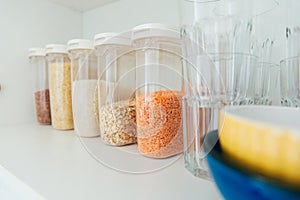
38,62
159,91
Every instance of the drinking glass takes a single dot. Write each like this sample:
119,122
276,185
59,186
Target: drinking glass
266,83
212,81
289,81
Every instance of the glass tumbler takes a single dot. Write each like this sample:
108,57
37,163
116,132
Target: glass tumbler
213,81
267,83
199,118
289,81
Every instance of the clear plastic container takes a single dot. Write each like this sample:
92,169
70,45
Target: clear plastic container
159,90
60,86
84,87
116,88
37,59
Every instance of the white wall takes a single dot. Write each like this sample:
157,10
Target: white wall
26,24
125,14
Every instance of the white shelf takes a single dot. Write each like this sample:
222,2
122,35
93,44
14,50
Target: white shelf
58,165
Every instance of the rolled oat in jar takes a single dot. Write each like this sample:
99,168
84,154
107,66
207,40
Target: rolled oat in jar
60,86
116,87
37,58
159,84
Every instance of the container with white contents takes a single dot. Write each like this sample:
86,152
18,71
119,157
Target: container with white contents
116,76
84,87
37,59
159,84
60,86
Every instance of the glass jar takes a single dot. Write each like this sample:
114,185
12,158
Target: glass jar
37,59
84,87
159,91
116,88
60,86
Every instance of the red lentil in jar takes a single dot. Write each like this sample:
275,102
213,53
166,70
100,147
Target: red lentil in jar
159,123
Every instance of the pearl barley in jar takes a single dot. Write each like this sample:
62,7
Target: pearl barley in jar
159,90
60,86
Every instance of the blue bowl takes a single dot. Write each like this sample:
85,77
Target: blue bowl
238,182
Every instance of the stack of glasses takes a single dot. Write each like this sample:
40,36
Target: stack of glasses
223,66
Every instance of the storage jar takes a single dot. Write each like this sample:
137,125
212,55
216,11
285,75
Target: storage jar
84,87
159,91
37,59
116,81
60,86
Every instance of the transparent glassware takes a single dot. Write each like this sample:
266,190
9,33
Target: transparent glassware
245,9
289,82
267,83
292,29
219,64
222,77
250,13
274,96
212,81
199,119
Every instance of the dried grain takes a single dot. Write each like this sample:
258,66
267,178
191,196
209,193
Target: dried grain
118,123
61,95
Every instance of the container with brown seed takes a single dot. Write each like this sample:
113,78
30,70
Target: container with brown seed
60,87
41,86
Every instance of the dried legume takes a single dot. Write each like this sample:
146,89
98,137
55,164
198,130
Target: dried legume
159,124
42,106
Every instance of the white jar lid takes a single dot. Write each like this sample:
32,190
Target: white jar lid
36,52
77,44
154,30
113,38
56,48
